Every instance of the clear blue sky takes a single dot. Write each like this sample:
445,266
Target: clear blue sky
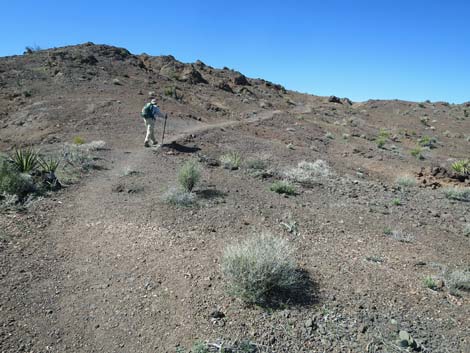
413,50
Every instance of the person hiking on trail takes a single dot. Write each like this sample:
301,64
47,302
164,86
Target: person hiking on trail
150,112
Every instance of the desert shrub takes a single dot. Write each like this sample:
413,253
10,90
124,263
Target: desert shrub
406,181
178,197
307,172
427,141
424,120
77,156
189,175
329,135
417,152
458,280
199,347
258,266
430,283
13,182
381,142
462,167
25,160
78,140
384,134
459,194
283,187
231,160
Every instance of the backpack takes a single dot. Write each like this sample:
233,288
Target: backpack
147,111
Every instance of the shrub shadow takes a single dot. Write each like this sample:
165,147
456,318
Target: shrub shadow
210,194
181,148
306,293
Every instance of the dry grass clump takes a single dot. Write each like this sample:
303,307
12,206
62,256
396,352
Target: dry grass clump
406,181
178,197
307,172
258,266
459,194
231,160
458,280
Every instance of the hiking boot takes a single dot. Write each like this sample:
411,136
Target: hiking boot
146,144
155,143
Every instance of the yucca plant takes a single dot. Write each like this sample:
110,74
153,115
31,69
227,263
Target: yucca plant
25,160
49,165
462,167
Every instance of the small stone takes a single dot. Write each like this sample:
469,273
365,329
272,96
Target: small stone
216,314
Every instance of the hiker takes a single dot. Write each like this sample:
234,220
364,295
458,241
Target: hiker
150,112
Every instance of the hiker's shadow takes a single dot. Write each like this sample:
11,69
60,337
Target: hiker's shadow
180,148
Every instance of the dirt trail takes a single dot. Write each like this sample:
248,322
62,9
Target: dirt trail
119,271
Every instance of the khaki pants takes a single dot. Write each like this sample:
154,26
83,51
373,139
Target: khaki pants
150,135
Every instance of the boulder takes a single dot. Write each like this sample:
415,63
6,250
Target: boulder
334,99
240,80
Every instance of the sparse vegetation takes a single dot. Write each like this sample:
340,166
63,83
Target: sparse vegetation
308,172
231,160
396,202
406,181
427,141
78,157
179,197
283,187
258,266
417,153
458,281
430,283
189,175
459,194
78,140
381,142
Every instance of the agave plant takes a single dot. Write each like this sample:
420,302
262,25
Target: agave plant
462,167
25,160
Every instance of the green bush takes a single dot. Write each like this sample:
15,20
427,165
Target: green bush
283,187
231,160
189,175
25,160
258,266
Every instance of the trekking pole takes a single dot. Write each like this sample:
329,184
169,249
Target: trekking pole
164,128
